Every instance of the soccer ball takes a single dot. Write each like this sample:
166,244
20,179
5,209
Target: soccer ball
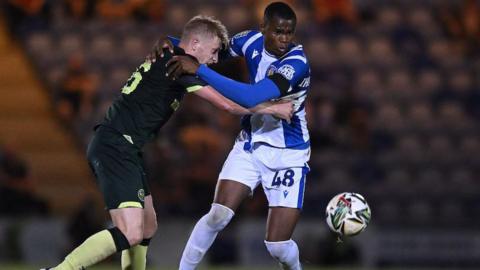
348,214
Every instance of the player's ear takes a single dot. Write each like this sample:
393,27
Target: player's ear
263,27
195,44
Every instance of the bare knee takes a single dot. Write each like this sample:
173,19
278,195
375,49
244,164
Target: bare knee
130,222
134,234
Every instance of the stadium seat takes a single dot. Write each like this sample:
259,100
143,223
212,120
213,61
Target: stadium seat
71,43
380,53
462,181
337,180
134,48
388,18
322,50
349,51
421,20
389,117
40,43
420,212
429,82
103,48
420,118
399,86
431,181
398,180
411,150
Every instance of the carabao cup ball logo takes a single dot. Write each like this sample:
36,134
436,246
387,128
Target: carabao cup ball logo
343,208
141,194
348,214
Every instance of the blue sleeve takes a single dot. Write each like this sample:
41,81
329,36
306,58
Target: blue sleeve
294,69
235,49
247,95
238,40
174,40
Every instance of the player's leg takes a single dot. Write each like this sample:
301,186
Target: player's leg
228,196
135,258
284,190
129,222
120,180
230,193
281,223
127,231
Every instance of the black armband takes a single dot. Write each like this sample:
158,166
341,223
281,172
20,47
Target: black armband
282,83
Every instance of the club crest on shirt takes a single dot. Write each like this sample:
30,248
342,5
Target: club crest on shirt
271,70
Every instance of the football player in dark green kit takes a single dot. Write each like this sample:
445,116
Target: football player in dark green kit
148,100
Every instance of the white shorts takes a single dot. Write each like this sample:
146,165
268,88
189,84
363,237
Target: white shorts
282,172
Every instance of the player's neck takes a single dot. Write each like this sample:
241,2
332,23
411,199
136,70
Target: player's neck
270,53
185,47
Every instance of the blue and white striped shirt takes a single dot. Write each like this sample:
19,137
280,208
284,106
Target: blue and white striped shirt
294,66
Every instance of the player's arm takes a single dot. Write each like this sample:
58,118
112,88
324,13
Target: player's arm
282,109
221,102
246,95
193,84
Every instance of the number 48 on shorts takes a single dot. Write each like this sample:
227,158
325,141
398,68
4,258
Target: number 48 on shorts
286,187
287,179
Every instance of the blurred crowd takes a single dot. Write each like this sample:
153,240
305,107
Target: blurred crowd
393,108
17,187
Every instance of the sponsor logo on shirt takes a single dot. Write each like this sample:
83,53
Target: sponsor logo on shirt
241,34
287,71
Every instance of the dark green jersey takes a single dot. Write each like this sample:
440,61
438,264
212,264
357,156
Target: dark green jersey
148,100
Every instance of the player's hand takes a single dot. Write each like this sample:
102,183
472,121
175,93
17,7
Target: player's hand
158,49
283,109
181,64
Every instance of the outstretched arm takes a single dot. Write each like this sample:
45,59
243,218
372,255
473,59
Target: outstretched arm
282,109
247,95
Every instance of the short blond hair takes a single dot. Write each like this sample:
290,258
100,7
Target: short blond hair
206,25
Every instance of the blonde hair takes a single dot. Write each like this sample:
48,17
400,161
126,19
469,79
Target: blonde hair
206,25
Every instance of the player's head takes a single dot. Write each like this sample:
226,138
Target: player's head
203,37
278,27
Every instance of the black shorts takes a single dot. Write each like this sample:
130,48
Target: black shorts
119,169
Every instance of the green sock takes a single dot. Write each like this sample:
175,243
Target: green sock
95,249
135,258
